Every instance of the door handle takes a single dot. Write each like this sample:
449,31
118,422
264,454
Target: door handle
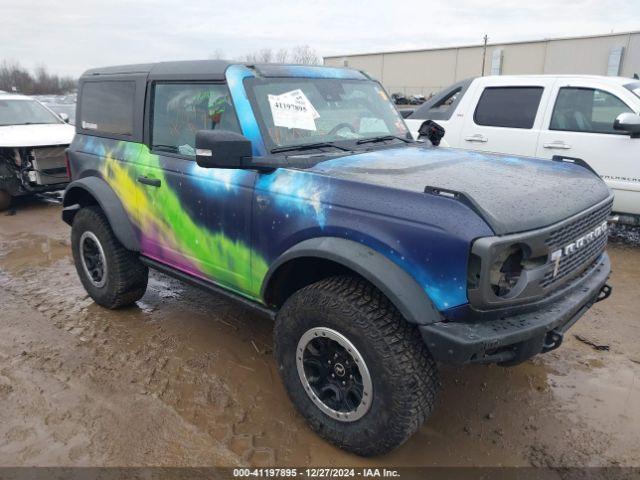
477,138
153,182
558,144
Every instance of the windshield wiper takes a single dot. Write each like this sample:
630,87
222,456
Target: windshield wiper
382,138
307,146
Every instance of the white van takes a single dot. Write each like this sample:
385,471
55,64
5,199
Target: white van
548,116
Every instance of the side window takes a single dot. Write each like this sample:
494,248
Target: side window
586,110
180,110
509,107
107,107
443,106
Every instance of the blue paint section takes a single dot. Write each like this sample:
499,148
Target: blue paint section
99,146
403,158
235,75
428,237
310,71
297,194
219,181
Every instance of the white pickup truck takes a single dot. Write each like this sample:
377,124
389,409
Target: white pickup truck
591,118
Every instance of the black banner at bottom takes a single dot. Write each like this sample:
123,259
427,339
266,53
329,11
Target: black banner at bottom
366,473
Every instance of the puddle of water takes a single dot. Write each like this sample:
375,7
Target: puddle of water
25,251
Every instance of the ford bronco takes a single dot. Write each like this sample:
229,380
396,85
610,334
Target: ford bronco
299,192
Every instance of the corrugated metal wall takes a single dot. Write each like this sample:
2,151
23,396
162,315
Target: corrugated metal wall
427,71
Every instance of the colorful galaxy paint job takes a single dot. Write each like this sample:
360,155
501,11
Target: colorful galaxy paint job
205,222
209,223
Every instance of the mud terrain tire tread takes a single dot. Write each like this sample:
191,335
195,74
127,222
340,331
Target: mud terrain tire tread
404,374
127,276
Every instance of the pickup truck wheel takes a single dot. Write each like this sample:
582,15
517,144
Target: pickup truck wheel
354,368
5,200
112,275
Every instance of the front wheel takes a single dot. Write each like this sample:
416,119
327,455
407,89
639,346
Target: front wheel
354,368
112,275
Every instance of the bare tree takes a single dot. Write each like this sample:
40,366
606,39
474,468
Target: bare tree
282,55
265,55
15,78
301,54
305,55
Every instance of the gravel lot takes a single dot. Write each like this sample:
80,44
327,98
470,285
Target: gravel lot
186,378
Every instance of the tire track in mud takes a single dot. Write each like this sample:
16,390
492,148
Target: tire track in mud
102,355
218,391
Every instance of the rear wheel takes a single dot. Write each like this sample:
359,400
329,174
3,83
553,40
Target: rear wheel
112,275
353,367
5,200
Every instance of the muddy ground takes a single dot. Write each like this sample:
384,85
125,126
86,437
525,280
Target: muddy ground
187,378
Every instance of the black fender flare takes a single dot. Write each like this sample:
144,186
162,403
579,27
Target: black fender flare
395,283
76,193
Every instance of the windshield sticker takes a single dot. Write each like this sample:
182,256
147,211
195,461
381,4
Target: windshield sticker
89,126
293,110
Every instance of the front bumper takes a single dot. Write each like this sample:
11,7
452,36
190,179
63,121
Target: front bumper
512,339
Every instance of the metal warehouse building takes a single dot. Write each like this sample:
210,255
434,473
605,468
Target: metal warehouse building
427,71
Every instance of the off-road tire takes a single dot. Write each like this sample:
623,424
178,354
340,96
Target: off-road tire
403,373
126,277
5,200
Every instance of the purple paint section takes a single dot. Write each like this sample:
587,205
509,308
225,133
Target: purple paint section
152,249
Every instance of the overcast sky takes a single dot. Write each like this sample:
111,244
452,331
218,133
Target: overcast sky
69,36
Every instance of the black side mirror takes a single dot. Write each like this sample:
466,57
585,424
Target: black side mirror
628,122
222,149
432,131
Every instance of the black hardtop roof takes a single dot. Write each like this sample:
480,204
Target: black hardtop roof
189,69
213,68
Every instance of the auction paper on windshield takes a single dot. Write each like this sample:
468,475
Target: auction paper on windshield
293,110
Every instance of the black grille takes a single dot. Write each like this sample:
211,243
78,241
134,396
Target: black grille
583,257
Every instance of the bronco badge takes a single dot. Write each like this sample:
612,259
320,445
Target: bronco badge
573,247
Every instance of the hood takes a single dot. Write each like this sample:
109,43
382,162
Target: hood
36,135
513,194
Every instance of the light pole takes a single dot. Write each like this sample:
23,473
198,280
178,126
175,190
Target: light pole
484,53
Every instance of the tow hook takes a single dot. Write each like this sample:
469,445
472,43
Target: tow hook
552,340
604,293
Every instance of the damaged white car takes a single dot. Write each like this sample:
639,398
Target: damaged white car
33,140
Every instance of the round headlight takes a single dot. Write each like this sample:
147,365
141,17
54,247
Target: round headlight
506,270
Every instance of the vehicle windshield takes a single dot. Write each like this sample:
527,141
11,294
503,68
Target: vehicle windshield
68,108
634,87
303,111
24,112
